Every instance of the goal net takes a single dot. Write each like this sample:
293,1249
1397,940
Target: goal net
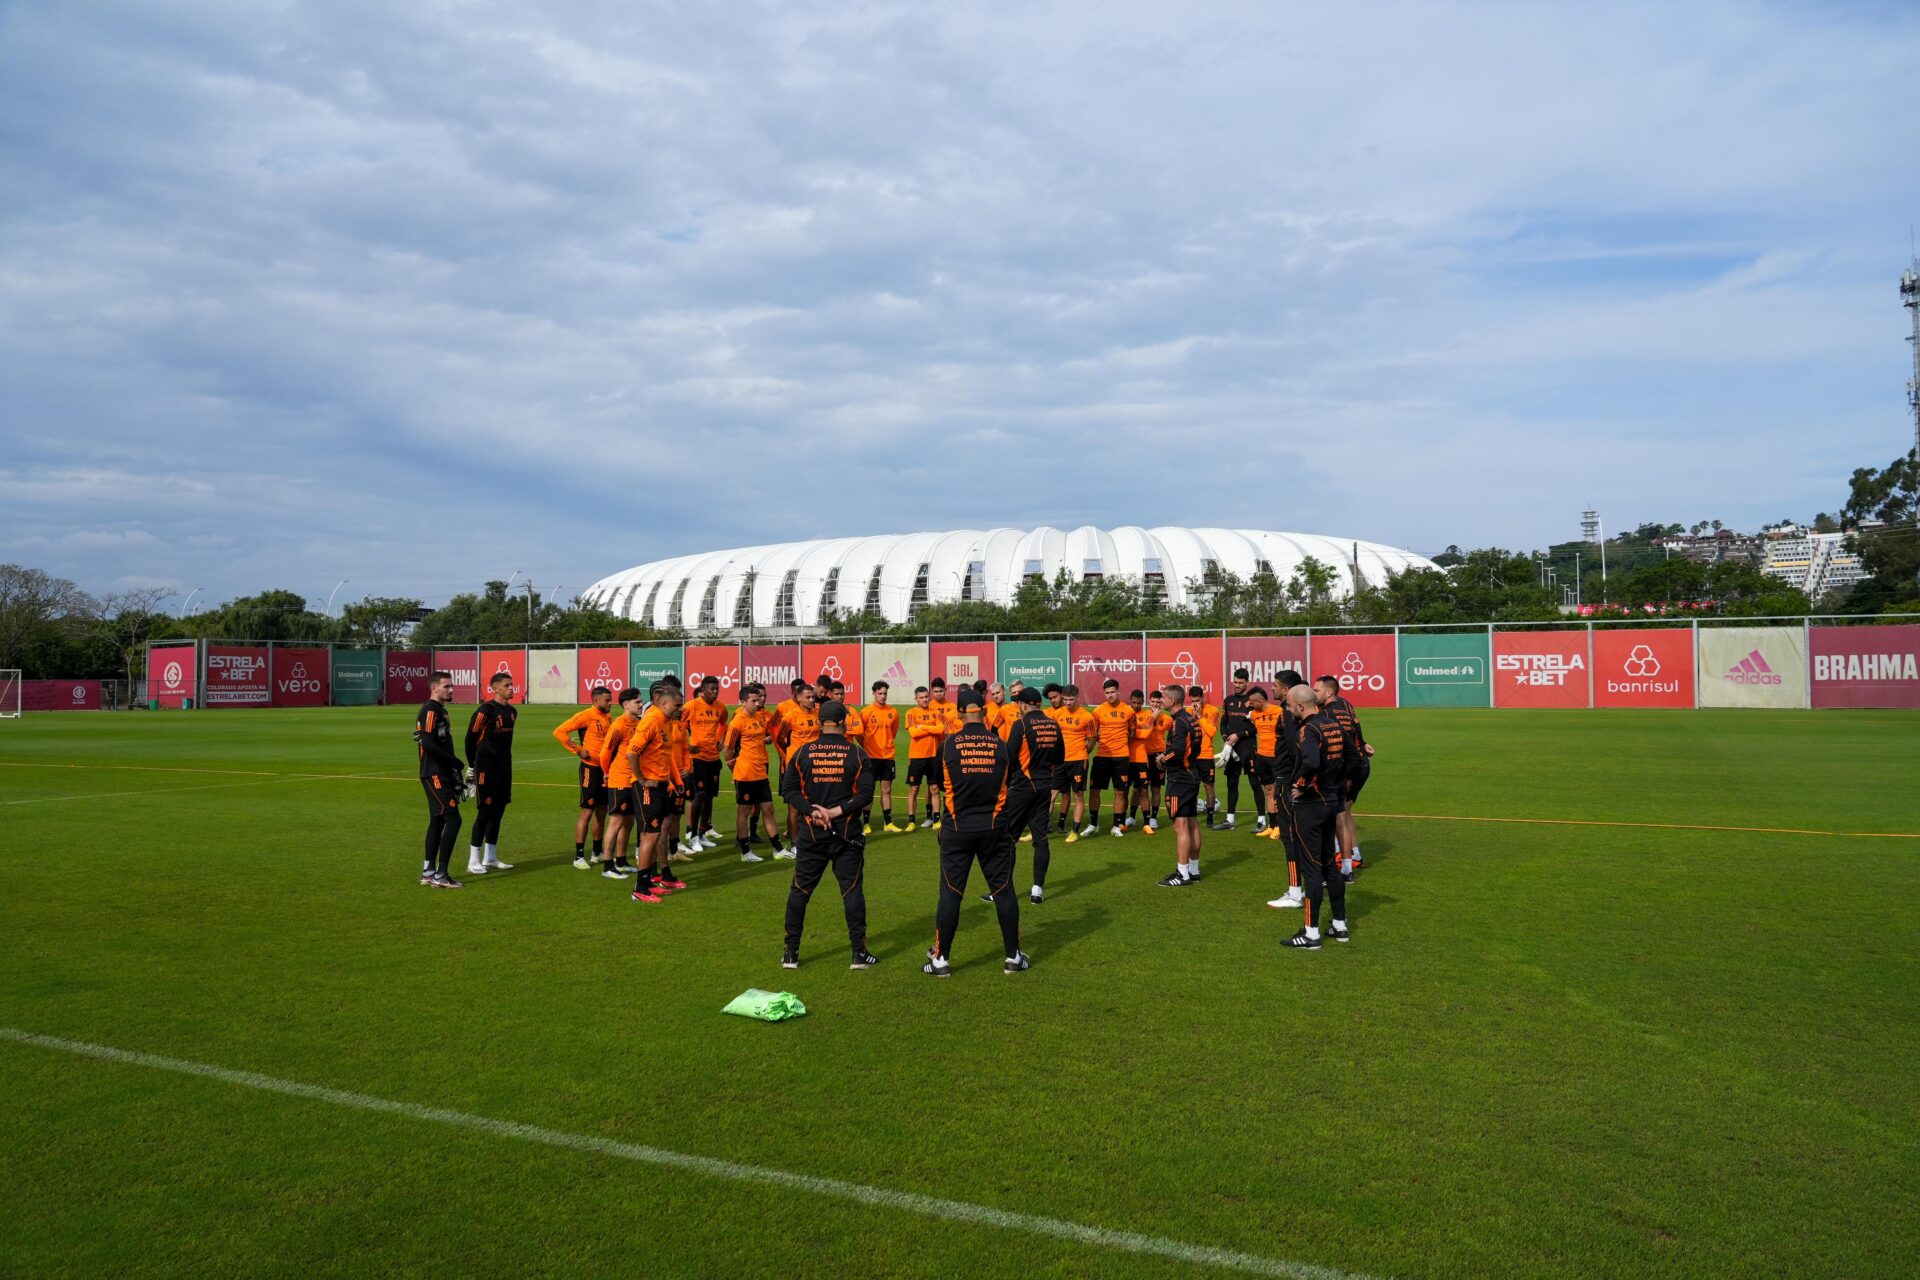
9,693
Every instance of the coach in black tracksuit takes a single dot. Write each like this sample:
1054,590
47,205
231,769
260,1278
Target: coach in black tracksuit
1286,763
829,782
1322,757
1234,724
1034,750
490,753
440,772
973,778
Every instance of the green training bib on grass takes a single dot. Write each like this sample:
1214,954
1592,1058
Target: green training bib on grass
768,1006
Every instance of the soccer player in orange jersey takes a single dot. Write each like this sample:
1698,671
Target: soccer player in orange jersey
620,790
591,725
1112,758
706,721
799,724
748,751
879,731
926,730
658,782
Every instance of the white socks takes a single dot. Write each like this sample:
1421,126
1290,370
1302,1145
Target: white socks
1313,931
493,853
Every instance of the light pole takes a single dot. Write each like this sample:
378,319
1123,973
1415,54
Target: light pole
331,594
189,600
1576,579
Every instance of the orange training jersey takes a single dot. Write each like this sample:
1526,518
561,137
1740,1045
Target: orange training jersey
855,725
1157,732
613,751
1209,718
591,725
651,748
925,729
706,724
1000,718
682,743
1076,730
747,735
798,727
1113,726
950,721
1142,726
1266,730
879,729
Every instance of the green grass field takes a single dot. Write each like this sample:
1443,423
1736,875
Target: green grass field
1552,1049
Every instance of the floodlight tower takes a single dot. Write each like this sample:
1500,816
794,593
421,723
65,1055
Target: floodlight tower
1910,299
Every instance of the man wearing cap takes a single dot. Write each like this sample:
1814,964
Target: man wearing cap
973,775
1034,752
830,783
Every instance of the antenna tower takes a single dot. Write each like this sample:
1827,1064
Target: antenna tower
1910,299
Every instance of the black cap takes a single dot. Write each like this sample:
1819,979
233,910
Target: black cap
832,712
968,698
1030,696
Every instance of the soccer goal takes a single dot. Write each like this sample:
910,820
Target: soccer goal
9,693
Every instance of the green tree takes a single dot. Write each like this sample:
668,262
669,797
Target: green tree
271,615
1881,511
38,614
381,620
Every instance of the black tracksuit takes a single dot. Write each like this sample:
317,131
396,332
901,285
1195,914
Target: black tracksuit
1035,750
832,772
1182,767
1322,756
973,778
440,771
1233,720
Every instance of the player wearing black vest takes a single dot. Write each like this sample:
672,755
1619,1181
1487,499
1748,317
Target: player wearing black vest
440,772
1318,789
1035,751
490,757
1236,731
1180,766
829,781
973,778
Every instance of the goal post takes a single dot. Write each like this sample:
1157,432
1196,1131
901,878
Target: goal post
9,693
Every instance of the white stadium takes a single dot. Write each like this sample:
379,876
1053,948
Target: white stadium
797,585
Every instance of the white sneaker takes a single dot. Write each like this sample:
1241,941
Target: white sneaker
1119,830
1133,820
496,865
1152,824
751,856
786,855
613,873
1288,901
1089,830
711,837
927,824
476,868
582,864
1027,838
710,842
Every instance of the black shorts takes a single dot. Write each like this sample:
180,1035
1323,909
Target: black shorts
1203,771
1154,776
882,769
593,786
706,778
443,795
1263,770
927,770
1070,775
620,801
1111,771
657,803
1358,779
1183,798
493,789
752,791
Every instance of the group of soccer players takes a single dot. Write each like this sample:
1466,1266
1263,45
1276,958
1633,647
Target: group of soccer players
993,762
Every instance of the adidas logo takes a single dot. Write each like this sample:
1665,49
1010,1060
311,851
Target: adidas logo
1752,669
896,672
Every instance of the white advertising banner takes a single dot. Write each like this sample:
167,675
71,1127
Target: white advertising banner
902,666
553,676
1753,667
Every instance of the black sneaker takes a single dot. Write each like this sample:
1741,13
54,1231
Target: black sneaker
864,960
790,959
1018,962
986,897
1174,881
1035,898
937,968
441,880
1341,933
1301,941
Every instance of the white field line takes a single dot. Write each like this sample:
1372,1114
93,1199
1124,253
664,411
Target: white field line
832,1188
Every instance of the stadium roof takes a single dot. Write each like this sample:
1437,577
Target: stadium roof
797,584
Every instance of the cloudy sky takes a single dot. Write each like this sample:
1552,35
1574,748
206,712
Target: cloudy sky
420,294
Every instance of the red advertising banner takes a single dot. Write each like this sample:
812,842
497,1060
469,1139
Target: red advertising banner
1094,662
721,661
841,661
605,666
60,695
1265,657
407,671
1866,666
237,676
173,674
301,677
1187,663
776,666
1540,669
962,661
464,666
1367,667
1643,668
511,661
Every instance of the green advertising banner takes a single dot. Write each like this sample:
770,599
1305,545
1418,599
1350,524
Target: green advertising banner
649,664
1036,663
1444,669
359,677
